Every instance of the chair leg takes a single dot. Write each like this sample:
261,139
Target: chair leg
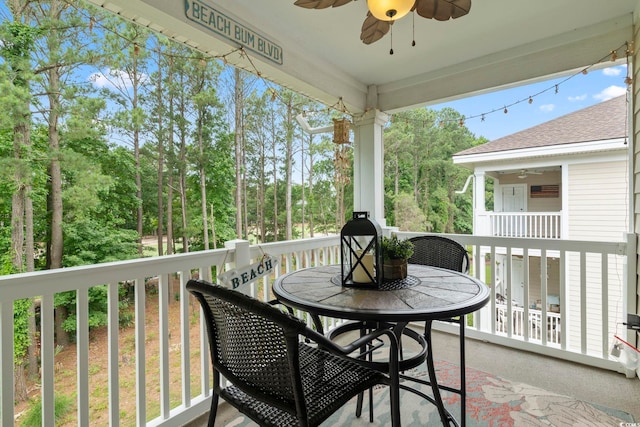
213,411
435,389
463,374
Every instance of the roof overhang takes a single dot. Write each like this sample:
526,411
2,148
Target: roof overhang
526,156
500,43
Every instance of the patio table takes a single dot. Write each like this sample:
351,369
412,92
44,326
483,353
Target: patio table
428,294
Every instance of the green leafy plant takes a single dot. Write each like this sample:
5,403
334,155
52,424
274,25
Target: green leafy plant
63,405
395,248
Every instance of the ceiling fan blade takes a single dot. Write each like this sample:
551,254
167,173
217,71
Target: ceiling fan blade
373,29
320,4
442,10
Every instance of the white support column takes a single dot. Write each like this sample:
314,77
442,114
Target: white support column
368,165
479,203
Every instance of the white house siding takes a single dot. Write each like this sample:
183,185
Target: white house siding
598,201
597,211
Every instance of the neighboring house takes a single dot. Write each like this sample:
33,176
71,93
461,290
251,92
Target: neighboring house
564,179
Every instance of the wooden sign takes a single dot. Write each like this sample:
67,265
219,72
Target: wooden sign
243,276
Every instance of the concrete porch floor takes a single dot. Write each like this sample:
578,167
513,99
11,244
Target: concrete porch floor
586,383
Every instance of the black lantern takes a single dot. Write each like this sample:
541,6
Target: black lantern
361,252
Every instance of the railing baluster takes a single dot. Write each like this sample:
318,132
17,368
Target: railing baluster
113,329
82,349
47,354
6,361
141,361
185,342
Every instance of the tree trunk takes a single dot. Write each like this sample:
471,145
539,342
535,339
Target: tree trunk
159,130
171,164
289,171
55,193
183,196
238,150
32,356
275,191
203,181
136,150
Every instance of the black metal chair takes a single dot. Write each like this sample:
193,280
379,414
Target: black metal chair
277,376
438,251
443,252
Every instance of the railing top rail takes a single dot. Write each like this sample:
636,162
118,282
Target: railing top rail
618,248
25,285
557,213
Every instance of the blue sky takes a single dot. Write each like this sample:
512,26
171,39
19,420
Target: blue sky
575,92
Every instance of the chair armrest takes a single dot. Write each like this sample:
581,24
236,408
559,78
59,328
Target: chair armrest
332,347
275,302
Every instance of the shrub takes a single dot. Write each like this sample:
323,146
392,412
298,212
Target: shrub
33,417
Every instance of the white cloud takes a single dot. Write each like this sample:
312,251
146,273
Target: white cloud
610,92
612,71
547,108
113,79
577,98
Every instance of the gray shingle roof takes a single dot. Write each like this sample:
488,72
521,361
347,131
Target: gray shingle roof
603,121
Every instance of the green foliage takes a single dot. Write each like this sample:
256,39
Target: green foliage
21,335
395,248
63,405
418,162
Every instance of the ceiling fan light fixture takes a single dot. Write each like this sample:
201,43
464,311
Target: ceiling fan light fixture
389,10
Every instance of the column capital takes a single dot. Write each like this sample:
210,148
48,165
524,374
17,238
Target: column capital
370,117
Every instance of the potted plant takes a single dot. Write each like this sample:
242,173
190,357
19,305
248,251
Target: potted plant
395,254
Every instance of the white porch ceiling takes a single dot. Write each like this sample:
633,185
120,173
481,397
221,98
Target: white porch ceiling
500,43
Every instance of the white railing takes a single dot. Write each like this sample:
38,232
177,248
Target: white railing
596,289
534,225
533,325
167,272
584,341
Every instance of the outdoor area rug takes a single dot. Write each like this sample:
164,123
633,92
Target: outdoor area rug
491,401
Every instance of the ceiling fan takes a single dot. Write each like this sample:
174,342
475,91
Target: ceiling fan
382,13
524,173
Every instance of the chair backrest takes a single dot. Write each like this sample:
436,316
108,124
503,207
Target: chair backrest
438,251
244,334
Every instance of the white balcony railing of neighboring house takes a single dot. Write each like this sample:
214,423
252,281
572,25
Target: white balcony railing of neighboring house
502,324
533,325
533,225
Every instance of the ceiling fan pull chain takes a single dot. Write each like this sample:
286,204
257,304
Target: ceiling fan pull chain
391,27
413,29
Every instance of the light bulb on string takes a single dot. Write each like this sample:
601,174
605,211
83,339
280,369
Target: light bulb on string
530,100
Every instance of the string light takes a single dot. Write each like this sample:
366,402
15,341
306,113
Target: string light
611,55
341,107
